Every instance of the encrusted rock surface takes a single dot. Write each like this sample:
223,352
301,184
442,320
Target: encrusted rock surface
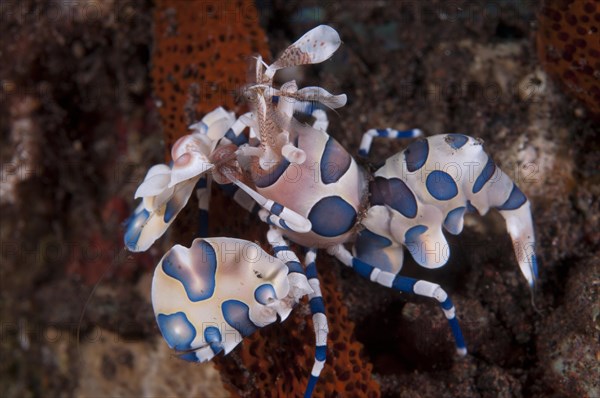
76,101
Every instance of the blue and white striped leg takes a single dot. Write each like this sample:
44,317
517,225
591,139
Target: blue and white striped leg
317,309
367,138
273,220
203,195
234,134
405,284
285,217
283,252
306,107
215,125
299,286
311,108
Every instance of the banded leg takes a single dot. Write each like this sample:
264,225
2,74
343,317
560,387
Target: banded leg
299,286
367,138
405,284
234,133
216,125
285,217
310,108
317,309
273,220
203,195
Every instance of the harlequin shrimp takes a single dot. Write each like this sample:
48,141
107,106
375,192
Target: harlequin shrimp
209,296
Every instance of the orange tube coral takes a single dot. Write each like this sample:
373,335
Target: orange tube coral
569,48
201,58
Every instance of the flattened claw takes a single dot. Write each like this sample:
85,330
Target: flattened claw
206,298
520,228
149,221
166,190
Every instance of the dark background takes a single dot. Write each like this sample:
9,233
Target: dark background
79,128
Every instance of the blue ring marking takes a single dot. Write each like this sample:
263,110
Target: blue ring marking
534,265
362,268
237,315
382,132
212,336
276,209
230,135
177,330
236,139
441,185
264,294
277,249
275,99
447,304
133,228
404,284
335,162
332,216
321,353
488,171
240,140
317,305
395,193
411,236
270,176
454,325
416,154
456,141
453,219
515,200
294,266
369,247
311,271
284,225
310,108
406,133
197,278
362,152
